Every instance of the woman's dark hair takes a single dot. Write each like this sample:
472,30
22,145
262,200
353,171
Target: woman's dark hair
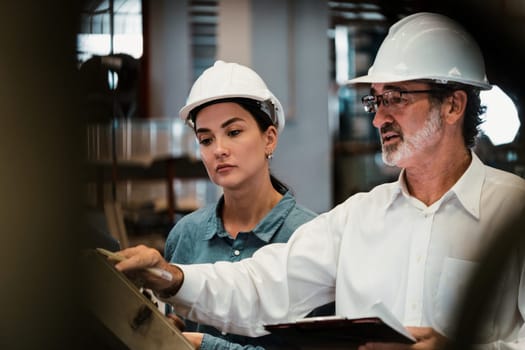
261,118
473,110
279,186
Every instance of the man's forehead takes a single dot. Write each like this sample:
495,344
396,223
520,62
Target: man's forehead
377,88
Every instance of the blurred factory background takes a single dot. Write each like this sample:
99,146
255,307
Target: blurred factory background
139,58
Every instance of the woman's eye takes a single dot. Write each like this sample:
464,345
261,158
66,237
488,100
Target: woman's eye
205,141
234,132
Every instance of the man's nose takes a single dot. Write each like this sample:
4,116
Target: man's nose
381,116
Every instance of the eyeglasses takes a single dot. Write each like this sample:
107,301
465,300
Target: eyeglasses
390,98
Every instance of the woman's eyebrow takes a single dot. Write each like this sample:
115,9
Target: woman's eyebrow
223,125
199,130
231,121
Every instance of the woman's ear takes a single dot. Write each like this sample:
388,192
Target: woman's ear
271,139
455,106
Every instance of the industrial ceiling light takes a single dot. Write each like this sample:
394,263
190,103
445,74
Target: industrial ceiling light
501,123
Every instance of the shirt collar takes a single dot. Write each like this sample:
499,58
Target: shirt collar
214,225
264,230
399,188
467,189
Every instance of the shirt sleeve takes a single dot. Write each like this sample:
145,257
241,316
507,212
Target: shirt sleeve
210,342
280,283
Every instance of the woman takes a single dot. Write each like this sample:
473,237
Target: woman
237,121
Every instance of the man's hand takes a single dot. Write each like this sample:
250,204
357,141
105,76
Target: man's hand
194,338
138,259
427,339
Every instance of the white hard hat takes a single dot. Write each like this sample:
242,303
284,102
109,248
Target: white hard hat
428,46
231,80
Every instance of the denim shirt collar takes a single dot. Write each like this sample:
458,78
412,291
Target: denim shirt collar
264,230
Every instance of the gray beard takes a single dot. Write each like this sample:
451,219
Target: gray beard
393,154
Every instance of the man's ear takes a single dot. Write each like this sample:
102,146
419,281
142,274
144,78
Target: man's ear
455,106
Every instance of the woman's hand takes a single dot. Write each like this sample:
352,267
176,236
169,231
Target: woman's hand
194,338
176,321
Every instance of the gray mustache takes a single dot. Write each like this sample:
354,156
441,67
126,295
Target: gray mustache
388,127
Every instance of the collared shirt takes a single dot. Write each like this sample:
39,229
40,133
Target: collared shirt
384,246
200,237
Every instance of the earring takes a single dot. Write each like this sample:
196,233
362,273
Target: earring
269,156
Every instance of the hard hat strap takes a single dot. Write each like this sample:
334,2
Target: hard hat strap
269,109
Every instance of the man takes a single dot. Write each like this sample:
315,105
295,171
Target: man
412,244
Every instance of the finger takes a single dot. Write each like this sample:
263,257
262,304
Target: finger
194,338
139,258
177,322
134,262
421,333
131,251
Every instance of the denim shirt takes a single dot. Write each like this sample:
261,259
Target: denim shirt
200,237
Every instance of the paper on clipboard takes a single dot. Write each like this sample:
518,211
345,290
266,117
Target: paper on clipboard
387,317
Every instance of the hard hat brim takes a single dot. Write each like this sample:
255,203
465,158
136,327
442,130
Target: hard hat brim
392,78
184,112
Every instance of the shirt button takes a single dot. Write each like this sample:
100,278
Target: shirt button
236,252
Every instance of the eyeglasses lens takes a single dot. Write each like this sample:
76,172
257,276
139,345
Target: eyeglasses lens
389,98
369,103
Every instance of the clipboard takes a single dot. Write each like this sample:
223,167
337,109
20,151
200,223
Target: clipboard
337,330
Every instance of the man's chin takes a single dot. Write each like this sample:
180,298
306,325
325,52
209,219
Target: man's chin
394,160
389,162
390,155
